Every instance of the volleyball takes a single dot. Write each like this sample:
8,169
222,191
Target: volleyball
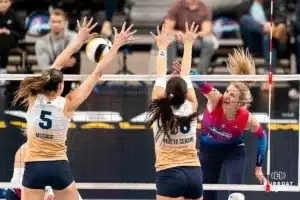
97,48
236,196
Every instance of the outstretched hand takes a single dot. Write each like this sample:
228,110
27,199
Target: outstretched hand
163,40
125,36
84,30
176,68
190,35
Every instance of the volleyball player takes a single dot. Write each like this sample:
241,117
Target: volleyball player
224,122
15,194
173,113
48,118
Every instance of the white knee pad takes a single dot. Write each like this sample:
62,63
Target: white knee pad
236,196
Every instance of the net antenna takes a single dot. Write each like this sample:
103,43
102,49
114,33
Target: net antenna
270,81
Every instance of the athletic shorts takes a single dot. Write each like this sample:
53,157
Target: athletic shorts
12,194
180,182
39,174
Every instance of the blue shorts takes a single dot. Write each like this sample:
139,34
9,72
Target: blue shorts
180,182
39,174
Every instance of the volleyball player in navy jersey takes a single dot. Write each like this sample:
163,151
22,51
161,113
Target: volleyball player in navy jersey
225,120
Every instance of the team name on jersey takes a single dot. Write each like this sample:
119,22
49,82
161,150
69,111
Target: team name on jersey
178,141
44,136
216,131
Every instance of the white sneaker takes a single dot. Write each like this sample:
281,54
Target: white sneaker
294,94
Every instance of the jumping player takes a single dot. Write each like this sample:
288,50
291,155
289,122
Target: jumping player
173,113
48,118
224,122
15,194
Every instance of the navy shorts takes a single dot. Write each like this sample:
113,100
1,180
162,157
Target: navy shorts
180,182
39,174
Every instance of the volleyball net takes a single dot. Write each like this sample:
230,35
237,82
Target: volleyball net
111,148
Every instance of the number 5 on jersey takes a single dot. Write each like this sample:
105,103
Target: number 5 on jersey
46,121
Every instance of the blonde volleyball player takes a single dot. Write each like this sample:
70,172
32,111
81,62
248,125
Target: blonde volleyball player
173,113
48,118
15,194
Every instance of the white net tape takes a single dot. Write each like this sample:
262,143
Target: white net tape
15,77
150,186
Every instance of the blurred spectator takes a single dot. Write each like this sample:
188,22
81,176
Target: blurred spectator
255,29
51,45
110,8
11,31
190,11
294,91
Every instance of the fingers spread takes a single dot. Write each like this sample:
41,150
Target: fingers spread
129,28
78,24
89,23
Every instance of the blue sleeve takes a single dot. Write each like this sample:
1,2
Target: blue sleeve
261,147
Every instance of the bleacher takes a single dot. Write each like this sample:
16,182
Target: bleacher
146,15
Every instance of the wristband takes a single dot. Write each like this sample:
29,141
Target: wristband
160,82
162,53
188,82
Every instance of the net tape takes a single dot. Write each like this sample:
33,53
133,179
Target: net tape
151,186
292,77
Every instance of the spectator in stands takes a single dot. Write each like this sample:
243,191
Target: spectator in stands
110,8
51,45
11,31
294,91
190,11
255,29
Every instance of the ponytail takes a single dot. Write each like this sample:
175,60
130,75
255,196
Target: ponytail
30,86
160,110
241,62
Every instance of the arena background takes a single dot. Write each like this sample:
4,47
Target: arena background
109,143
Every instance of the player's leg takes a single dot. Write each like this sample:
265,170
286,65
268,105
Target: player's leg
235,165
211,163
32,194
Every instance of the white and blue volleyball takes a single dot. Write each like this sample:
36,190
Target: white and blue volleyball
97,48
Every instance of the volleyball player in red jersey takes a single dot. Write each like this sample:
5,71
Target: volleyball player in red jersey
225,119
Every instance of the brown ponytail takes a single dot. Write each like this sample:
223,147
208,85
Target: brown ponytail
31,86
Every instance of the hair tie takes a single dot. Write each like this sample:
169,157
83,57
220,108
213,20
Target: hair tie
48,77
170,97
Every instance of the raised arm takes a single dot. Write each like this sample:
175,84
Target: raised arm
82,36
188,40
162,40
75,98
